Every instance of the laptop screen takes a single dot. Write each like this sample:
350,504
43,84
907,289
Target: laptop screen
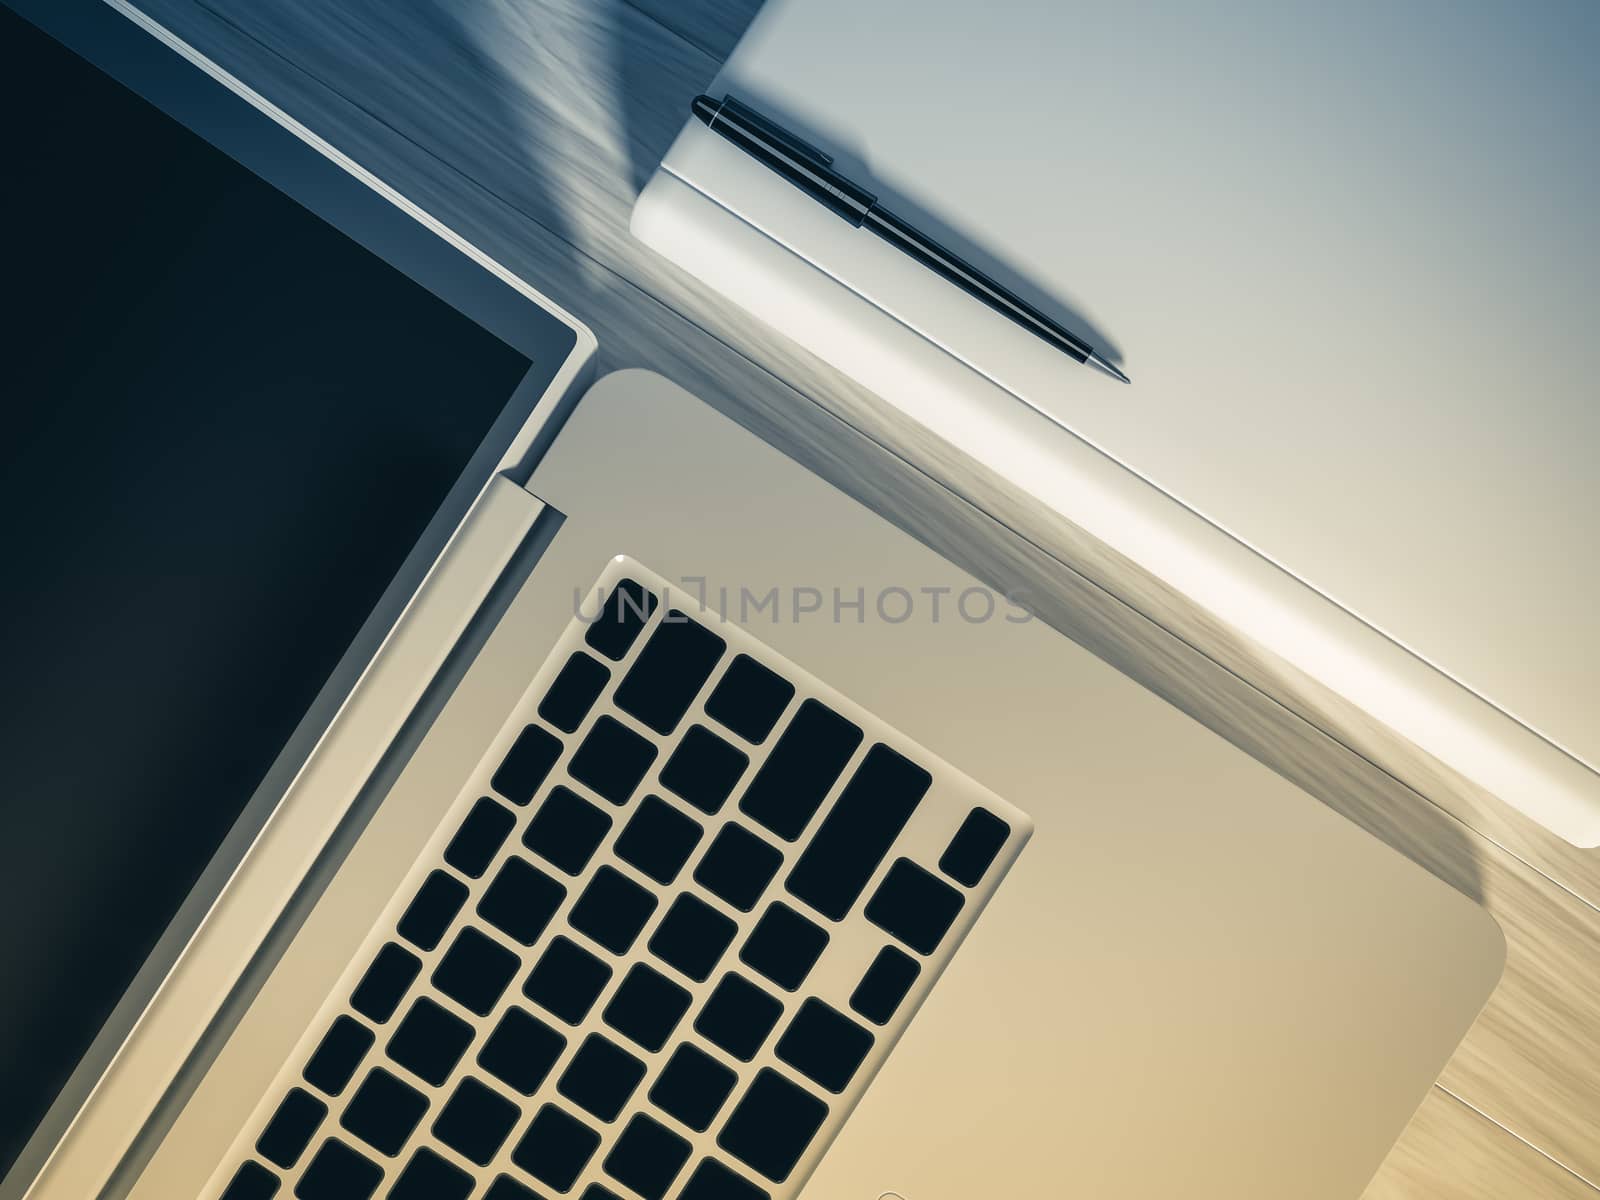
225,426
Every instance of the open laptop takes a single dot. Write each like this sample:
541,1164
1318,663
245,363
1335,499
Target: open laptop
1350,256
662,824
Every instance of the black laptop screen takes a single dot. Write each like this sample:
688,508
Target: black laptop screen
225,425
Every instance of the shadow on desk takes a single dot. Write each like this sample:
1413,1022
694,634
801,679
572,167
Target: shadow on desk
629,68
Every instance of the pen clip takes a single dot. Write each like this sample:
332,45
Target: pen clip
776,132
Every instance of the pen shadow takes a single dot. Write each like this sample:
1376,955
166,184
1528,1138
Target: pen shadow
855,163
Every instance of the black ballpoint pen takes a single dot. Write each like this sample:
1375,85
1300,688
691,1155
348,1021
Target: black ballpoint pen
811,170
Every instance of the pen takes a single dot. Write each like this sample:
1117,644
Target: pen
811,170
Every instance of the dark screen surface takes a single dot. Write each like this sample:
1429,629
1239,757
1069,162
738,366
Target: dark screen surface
225,425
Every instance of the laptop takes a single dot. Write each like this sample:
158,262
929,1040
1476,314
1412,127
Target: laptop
646,818
1351,284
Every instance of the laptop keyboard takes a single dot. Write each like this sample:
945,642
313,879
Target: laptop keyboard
660,945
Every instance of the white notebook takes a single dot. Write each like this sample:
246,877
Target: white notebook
1350,256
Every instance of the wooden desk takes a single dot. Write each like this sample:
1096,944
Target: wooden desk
529,125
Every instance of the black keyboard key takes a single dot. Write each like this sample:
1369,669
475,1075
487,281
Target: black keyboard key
914,905
429,1177
803,766
713,1181
596,1191
620,617
429,1041
772,1125
567,980
612,760
658,839
384,1111
738,1016
566,830
824,1045
647,1157
784,946
749,699
475,1120
692,937
521,1051
478,840
474,971
522,772
612,910
858,831
669,672
289,1132
704,769
647,1007
251,1181
884,985
737,867
521,900
428,916
339,1173
974,846
338,1055
692,1087
601,1077
507,1188
556,1148
573,692
381,988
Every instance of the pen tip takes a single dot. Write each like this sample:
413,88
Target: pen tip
1095,360
705,108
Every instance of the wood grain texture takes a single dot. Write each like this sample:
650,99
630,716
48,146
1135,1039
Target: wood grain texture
1449,1152
715,26
528,127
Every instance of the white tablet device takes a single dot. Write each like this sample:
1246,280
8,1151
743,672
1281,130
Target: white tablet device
1350,258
